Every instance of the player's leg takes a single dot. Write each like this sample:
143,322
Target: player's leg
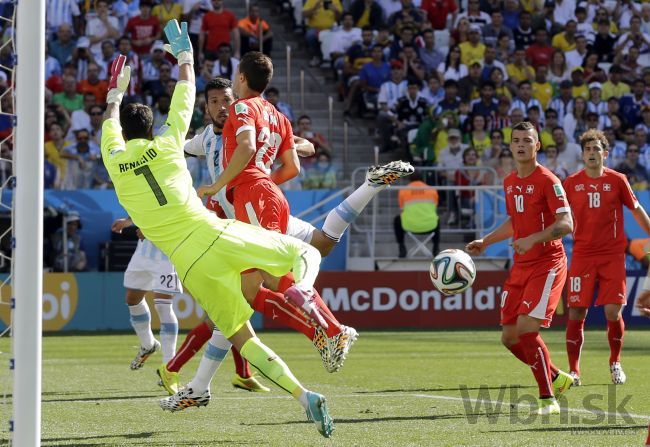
581,281
613,296
216,273
274,368
168,325
510,299
575,339
194,341
136,284
378,178
540,298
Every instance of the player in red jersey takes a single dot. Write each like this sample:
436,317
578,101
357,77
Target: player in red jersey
597,195
539,216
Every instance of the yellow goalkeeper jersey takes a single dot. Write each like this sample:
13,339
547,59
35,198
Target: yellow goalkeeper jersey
151,177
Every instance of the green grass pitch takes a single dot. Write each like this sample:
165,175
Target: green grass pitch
396,389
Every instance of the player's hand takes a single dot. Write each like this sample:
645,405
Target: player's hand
120,224
643,303
119,81
206,190
138,233
523,245
179,44
475,247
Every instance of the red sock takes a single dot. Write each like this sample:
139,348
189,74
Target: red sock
575,337
192,344
273,305
241,365
539,361
334,327
647,441
615,330
518,351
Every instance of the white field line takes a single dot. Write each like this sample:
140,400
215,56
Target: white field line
495,403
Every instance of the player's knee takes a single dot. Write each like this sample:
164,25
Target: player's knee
613,313
322,243
577,313
133,297
509,340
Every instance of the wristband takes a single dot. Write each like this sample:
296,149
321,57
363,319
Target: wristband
114,95
646,283
185,57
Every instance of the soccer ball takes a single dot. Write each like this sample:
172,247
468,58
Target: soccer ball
452,271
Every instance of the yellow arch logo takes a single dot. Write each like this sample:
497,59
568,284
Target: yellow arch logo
60,297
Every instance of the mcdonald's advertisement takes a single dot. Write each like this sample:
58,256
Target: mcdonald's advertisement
367,300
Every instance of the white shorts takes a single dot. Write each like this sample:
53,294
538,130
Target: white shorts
148,274
300,229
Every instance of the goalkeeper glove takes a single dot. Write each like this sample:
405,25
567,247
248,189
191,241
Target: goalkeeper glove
119,81
179,44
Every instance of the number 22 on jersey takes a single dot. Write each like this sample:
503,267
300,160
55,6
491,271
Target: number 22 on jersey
270,143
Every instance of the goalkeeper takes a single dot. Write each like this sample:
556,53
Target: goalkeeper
154,186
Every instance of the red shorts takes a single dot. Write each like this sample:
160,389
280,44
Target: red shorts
606,271
213,205
261,203
533,290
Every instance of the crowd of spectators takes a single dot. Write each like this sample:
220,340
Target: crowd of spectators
83,39
445,80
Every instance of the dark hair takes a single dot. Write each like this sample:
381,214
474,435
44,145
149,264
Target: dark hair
217,83
272,90
448,59
345,14
450,83
551,110
488,84
412,80
526,125
303,117
136,121
257,68
524,82
594,135
416,176
366,28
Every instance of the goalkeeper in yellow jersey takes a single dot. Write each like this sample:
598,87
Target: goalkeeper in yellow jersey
154,186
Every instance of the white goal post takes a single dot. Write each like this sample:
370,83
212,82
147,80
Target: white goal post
28,230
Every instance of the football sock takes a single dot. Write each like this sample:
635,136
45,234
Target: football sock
518,351
539,361
168,327
271,366
241,365
334,327
193,342
615,330
141,322
273,305
339,219
214,354
575,338
647,441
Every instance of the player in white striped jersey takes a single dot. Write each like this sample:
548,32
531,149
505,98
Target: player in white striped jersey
150,271
219,97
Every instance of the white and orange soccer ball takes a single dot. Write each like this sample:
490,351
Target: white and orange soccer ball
452,271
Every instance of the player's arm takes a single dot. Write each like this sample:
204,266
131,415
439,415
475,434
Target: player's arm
304,147
562,226
501,233
182,105
111,129
289,169
193,147
243,153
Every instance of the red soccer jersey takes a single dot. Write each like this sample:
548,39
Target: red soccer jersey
597,205
138,28
218,26
272,132
532,203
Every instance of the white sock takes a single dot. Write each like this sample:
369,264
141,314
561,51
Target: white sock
141,322
168,327
214,353
339,219
304,401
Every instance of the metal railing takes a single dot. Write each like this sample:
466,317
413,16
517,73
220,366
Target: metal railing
378,220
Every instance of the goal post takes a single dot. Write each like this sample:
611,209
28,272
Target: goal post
28,230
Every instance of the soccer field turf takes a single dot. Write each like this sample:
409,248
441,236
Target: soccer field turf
395,389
